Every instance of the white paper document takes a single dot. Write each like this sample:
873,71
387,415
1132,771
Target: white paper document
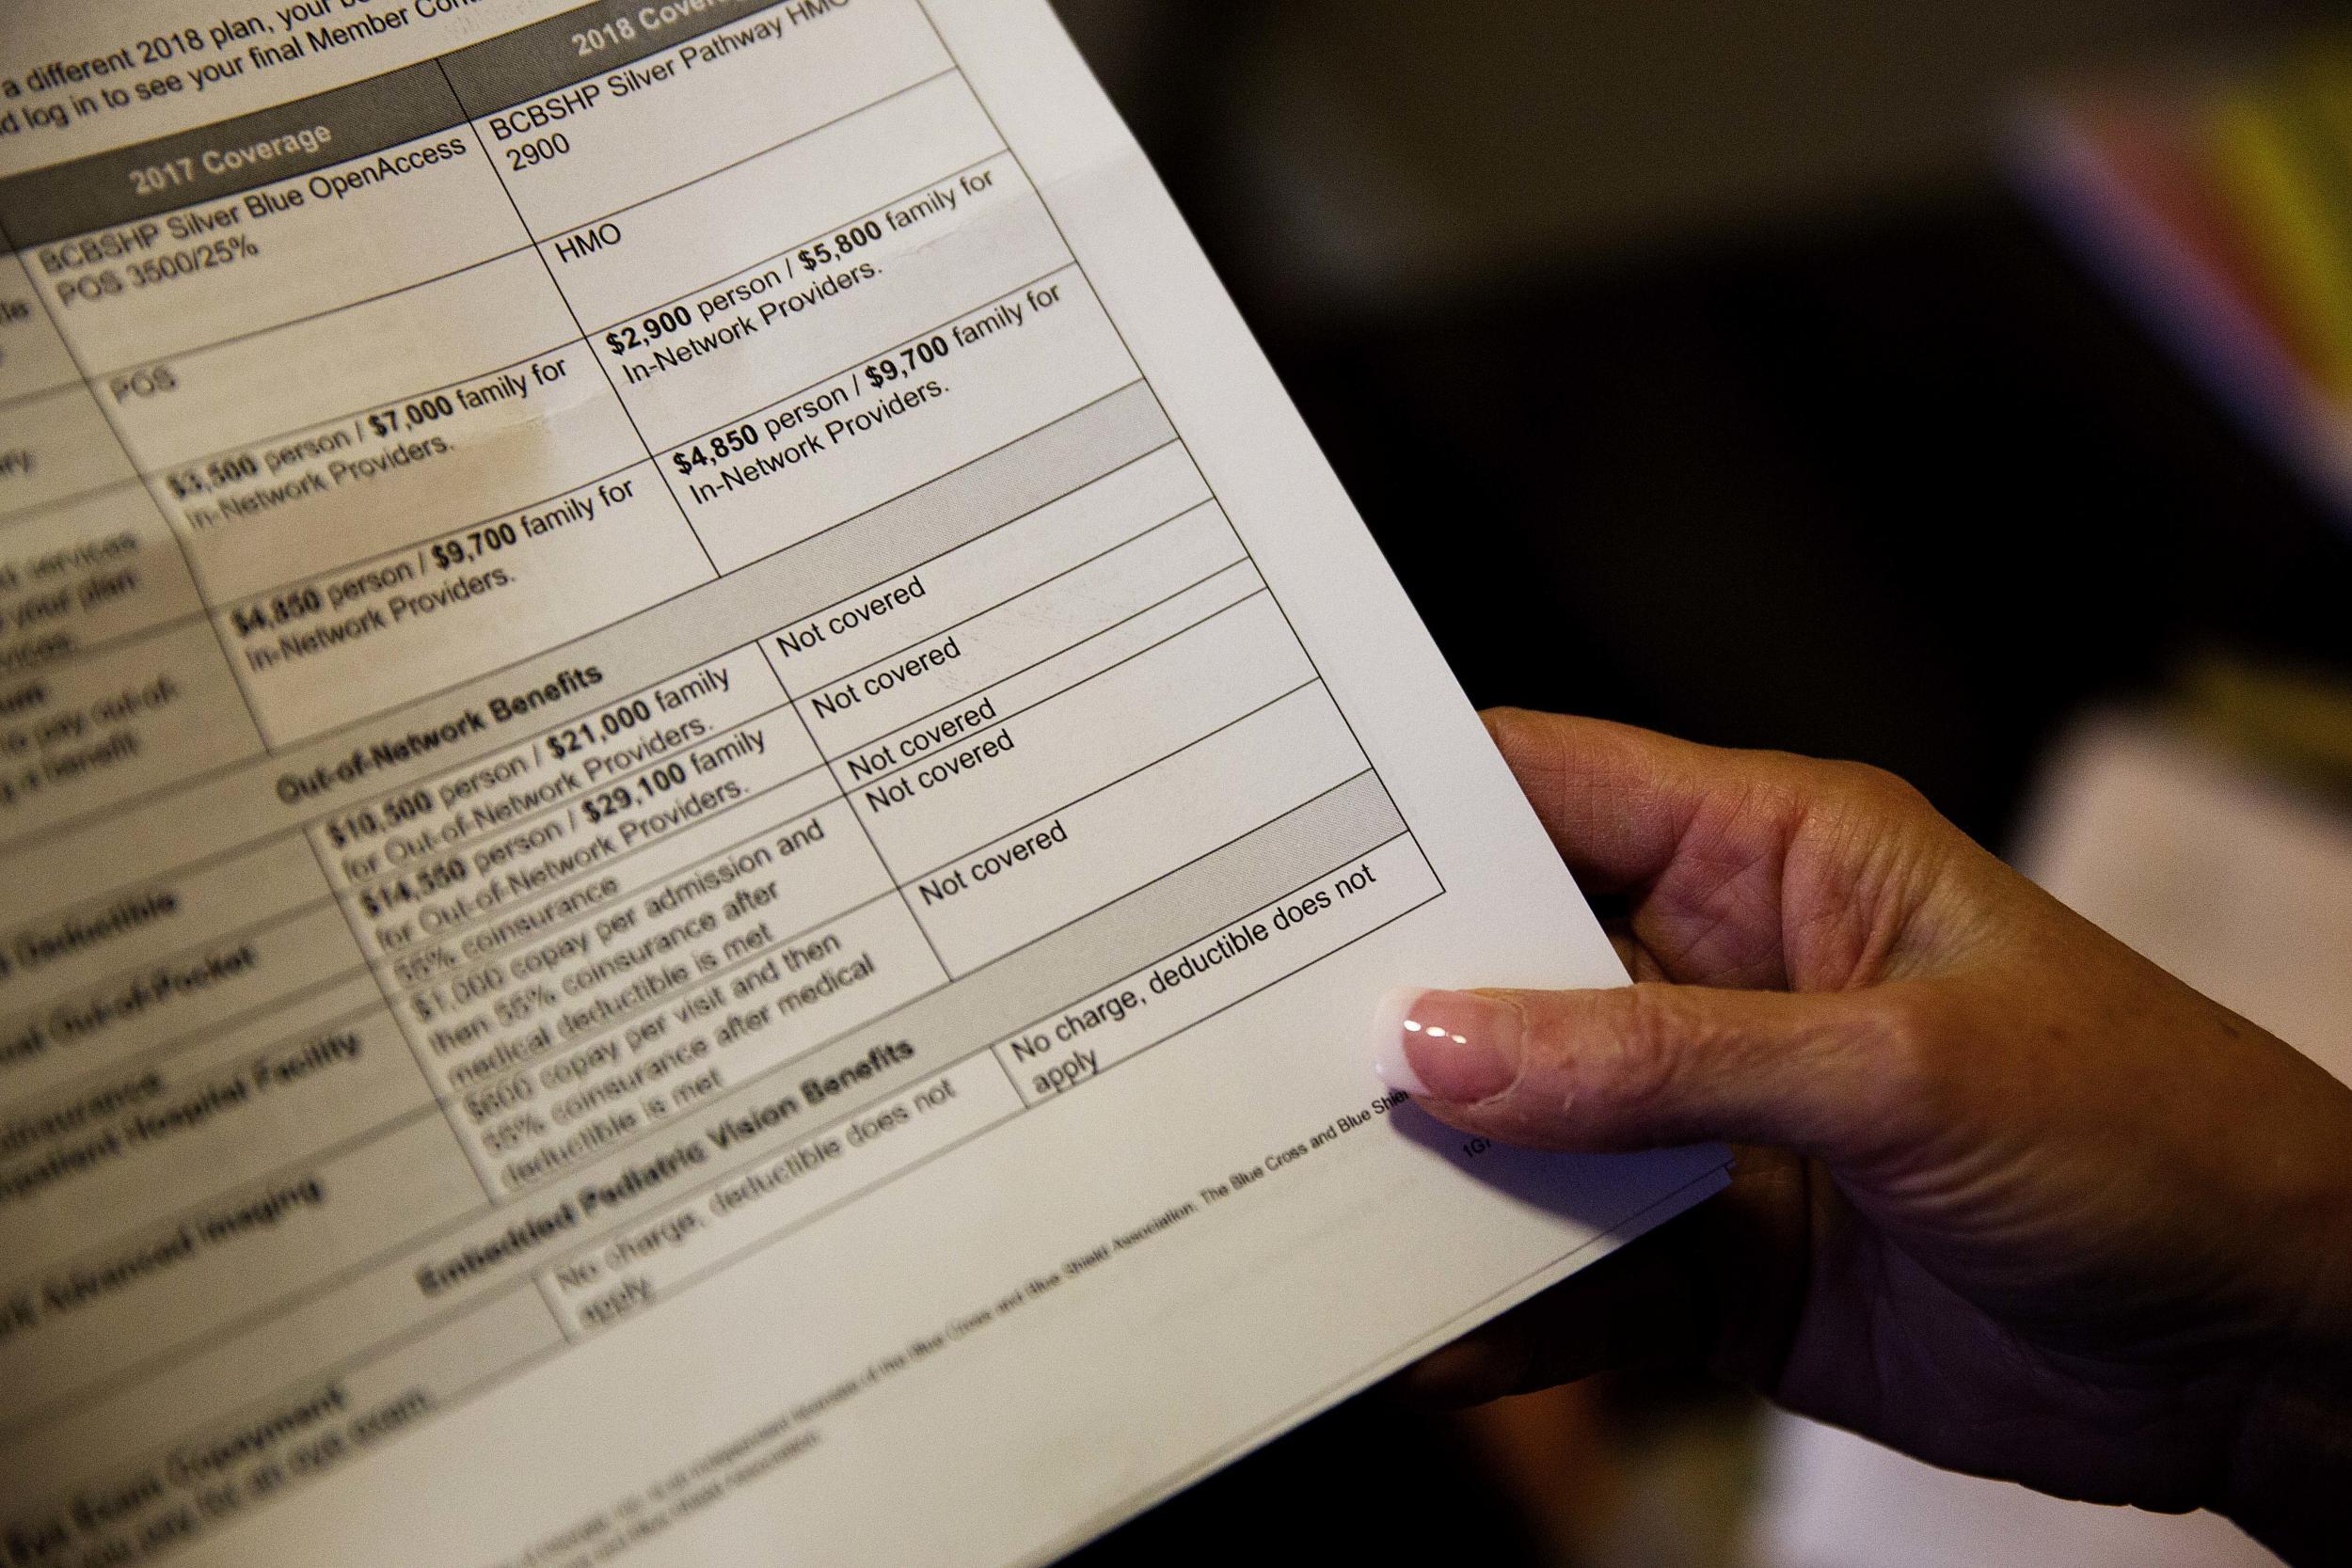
702,795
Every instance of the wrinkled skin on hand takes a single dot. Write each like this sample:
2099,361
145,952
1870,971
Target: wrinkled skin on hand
2009,1198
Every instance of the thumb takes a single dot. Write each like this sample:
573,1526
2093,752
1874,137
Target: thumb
1643,1066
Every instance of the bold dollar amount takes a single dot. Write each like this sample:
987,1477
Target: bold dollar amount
615,722
715,449
440,406
487,540
906,361
652,330
656,783
225,471
823,253
373,821
278,611
381,901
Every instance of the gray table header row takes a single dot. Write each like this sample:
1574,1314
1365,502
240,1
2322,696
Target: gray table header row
221,162
547,57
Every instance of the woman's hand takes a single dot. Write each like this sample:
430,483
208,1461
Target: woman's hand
2015,1201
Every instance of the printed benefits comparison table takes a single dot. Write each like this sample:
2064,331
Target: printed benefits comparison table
574,697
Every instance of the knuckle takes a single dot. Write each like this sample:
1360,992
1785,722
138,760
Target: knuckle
1872,788
1913,1076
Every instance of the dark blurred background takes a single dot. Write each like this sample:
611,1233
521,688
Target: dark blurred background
1702,366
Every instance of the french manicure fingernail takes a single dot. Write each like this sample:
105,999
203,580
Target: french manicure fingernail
1446,1044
